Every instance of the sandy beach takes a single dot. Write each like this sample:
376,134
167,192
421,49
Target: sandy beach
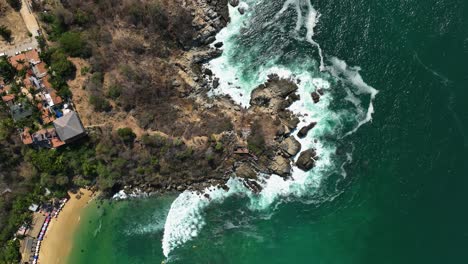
58,240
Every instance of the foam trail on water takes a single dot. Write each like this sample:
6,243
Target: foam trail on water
311,21
341,70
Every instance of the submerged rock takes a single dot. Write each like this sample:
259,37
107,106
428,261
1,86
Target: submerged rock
315,97
307,160
241,10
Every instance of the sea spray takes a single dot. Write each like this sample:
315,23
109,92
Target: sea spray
185,218
247,61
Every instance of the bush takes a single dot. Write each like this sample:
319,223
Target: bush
126,134
10,252
74,45
219,147
114,91
100,103
256,140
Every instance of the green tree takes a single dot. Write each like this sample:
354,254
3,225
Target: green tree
6,70
114,91
100,103
10,252
47,180
73,44
5,33
61,66
62,180
126,134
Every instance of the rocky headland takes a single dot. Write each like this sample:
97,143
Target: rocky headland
260,139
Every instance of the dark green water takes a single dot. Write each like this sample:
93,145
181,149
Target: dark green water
405,196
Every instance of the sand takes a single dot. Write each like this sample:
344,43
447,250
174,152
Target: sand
58,240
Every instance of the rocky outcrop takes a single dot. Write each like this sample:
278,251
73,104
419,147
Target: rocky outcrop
210,16
273,93
234,3
305,130
290,147
315,97
281,166
245,170
306,160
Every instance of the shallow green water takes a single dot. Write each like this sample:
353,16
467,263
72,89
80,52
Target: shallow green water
404,197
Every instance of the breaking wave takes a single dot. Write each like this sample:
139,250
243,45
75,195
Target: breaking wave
245,64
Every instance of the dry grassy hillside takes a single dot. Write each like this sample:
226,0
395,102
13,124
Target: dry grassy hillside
13,21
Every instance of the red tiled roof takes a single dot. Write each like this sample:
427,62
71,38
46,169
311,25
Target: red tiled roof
56,142
26,137
32,55
46,82
14,61
41,67
46,116
27,82
55,98
8,97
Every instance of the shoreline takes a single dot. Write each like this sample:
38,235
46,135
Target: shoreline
58,240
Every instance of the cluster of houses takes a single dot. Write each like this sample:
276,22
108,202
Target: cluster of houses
58,121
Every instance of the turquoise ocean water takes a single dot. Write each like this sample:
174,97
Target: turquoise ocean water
392,182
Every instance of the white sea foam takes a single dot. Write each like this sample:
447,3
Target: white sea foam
186,215
351,75
135,193
185,218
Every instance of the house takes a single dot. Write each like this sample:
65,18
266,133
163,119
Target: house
26,137
47,138
32,56
8,99
46,83
46,116
35,81
40,70
19,112
241,150
69,127
33,207
22,60
19,61
55,97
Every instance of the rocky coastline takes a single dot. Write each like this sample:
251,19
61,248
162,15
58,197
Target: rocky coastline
260,140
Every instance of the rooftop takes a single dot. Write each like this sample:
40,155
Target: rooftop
40,70
31,56
46,116
69,126
19,61
19,111
26,137
8,98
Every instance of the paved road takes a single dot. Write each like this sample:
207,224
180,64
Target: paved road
33,27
